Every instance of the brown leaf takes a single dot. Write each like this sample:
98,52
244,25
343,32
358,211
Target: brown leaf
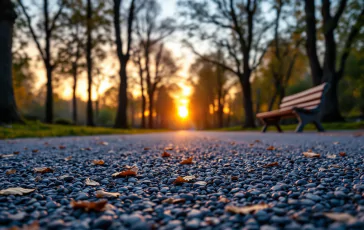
311,155
88,149
187,161
32,226
146,148
90,182
129,172
103,194
15,191
245,210
342,154
173,201
180,180
251,145
270,165
98,162
165,154
16,153
341,217
257,141
234,178
62,147
168,148
97,206
232,143
6,155
223,199
10,171
43,170
103,143
68,158
35,150
271,148
37,179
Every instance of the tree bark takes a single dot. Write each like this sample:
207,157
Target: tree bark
74,96
247,100
8,109
151,108
90,118
48,65
121,117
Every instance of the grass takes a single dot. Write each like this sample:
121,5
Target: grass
37,129
309,127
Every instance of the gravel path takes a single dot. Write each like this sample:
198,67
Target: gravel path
231,170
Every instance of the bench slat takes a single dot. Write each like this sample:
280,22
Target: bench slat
310,91
309,98
286,112
304,105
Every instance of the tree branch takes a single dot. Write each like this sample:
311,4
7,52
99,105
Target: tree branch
339,12
53,24
130,26
35,37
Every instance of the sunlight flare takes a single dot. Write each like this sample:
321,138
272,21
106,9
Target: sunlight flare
183,111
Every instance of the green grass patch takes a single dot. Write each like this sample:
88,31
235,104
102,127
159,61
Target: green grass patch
309,127
37,129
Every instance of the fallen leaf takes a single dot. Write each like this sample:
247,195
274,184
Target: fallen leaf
97,206
10,171
341,217
180,180
6,155
88,149
188,178
90,182
63,176
234,178
168,148
173,201
201,183
32,226
336,143
146,148
98,162
270,165
271,148
68,158
331,156
257,141
187,161
232,143
311,155
358,134
103,194
165,154
16,153
35,150
342,154
111,151
16,191
103,143
245,210
251,145
223,199
62,147
38,178
129,172
43,170
335,166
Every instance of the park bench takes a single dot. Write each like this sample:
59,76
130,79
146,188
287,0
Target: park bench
305,106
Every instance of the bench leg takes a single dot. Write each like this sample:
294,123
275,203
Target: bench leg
279,128
304,119
300,127
318,125
268,122
265,127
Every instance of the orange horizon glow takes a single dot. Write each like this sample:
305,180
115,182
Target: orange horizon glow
182,111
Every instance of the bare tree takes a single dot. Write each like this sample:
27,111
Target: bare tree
8,109
328,72
238,32
139,64
48,27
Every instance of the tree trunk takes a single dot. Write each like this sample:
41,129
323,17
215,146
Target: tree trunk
311,48
330,110
49,95
151,107
74,90
8,109
90,118
121,116
247,100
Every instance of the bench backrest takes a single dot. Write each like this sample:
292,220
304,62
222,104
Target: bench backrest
309,99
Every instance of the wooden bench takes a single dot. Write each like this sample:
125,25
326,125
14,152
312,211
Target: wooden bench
305,106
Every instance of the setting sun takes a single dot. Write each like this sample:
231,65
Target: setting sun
182,111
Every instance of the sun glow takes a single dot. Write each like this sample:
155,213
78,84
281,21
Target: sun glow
182,111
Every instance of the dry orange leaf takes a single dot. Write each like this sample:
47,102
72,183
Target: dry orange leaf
32,226
165,154
234,178
180,180
98,162
342,154
97,206
35,150
341,217
224,199
251,145
257,141
173,201
129,172
245,210
271,165
43,170
187,161
68,158
103,194
16,153
10,171
146,148
271,148
62,147
311,155
168,148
